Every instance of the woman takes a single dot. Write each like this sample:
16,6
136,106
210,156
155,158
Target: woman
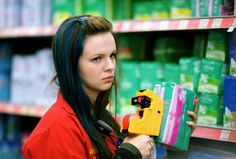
78,126
84,52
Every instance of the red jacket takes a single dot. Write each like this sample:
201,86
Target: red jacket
60,135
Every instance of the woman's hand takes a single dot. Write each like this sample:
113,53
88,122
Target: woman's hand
192,123
193,114
144,143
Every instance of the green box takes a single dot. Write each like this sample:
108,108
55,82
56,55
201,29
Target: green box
211,77
210,109
62,9
190,72
172,72
128,85
150,73
98,8
180,9
217,45
160,9
122,9
142,10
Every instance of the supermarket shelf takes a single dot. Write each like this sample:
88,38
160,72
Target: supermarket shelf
134,26
24,110
215,133
28,32
176,24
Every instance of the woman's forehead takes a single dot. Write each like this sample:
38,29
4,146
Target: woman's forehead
100,43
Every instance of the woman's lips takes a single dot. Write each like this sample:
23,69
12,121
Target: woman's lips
108,79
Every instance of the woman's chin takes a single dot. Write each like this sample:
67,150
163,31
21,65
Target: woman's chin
105,87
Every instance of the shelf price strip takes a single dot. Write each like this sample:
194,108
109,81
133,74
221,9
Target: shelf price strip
134,26
203,23
183,24
174,24
224,135
163,25
126,26
215,134
217,23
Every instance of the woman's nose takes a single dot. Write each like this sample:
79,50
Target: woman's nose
110,65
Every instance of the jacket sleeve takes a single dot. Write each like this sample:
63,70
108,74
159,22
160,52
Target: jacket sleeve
127,151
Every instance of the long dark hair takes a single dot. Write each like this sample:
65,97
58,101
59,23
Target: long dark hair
68,46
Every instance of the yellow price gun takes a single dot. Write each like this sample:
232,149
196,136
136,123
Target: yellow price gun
147,119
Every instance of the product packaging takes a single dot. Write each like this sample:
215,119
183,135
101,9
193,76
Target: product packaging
190,72
128,77
174,132
150,68
217,45
210,109
172,72
211,76
230,102
5,72
180,9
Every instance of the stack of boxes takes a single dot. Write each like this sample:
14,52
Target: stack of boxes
213,70
30,84
35,12
203,74
230,87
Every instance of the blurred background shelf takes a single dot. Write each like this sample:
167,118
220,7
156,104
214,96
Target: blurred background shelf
22,110
134,26
28,31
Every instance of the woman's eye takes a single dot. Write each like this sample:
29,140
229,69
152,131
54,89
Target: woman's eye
96,59
113,55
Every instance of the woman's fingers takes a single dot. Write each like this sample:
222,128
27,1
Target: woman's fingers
144,143
192,123
193,115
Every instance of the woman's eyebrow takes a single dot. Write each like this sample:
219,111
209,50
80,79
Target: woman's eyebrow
115,51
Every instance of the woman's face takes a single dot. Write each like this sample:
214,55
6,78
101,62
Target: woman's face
97,64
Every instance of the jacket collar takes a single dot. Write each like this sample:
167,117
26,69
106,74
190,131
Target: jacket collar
62,102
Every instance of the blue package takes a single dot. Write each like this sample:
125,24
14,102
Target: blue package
229,92
229,118
5,67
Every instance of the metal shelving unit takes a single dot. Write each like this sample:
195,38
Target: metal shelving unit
213,134
134,26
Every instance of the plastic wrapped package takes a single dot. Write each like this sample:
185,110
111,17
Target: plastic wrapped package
174,132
